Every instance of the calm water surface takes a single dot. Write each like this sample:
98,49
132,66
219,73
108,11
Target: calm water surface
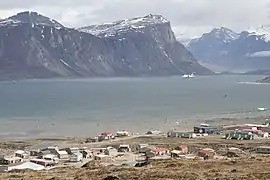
88,106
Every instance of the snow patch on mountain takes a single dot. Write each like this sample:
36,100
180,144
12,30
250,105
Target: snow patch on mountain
262,31
224,34
111,29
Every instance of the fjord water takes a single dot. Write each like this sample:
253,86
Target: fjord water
84,107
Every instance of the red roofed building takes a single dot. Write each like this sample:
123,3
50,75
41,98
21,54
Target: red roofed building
206,153
182,148
161,151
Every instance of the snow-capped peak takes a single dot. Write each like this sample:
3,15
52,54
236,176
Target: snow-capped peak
224,34
135,23
263,31
31,18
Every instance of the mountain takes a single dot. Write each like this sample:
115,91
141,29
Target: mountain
245,51
34,46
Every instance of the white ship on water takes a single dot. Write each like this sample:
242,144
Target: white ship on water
188,75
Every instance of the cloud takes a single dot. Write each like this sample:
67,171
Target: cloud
188,17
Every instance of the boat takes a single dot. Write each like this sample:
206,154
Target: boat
262,109
188,75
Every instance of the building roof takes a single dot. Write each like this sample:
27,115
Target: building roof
101,155
12,158
62,152
20,152
42,160
183,146
160,149
123,146
264,147
176,152
27,165
77,154
50,156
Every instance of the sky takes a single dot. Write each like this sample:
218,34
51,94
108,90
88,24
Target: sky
189,18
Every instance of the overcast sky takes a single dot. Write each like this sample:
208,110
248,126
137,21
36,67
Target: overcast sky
189,18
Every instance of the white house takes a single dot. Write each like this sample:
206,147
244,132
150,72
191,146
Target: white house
76,157
111,151
51,157
62,154
122,133
22,154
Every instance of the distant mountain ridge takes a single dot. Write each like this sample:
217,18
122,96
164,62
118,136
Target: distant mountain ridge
245,51
35,46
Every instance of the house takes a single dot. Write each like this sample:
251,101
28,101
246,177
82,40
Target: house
202,129
207,153
111,151
51,157
10,160
45,152
36,153
241,135
102,157
124,148
122,133
43,162
105,136
76,157
182,148
181,134
52,149
21,154
62,154
146,149
260,133
72,150
263,149
161,151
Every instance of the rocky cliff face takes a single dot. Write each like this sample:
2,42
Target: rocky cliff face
34,46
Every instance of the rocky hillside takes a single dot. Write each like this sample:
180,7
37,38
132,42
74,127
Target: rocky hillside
264,80
34,46
246,51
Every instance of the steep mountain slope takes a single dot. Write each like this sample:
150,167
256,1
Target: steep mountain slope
34,46
235,51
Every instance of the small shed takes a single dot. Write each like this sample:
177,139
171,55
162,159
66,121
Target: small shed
76,157
22,154
51,157
111,151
